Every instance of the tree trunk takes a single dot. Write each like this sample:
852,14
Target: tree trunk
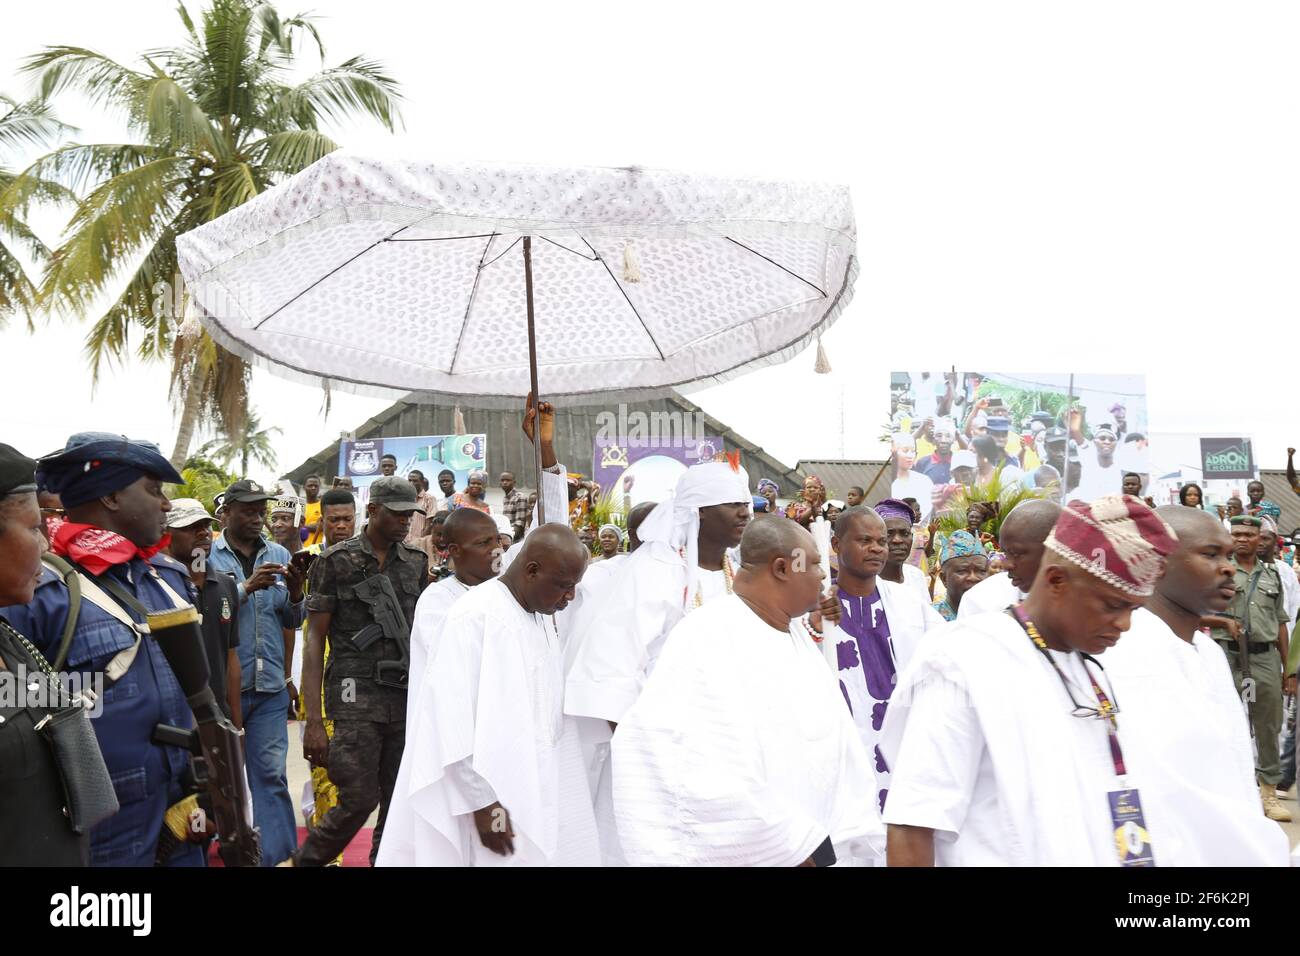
185,430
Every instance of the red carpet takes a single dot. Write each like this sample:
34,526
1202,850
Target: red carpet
357,853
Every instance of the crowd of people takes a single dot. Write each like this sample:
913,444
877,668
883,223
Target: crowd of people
1056,674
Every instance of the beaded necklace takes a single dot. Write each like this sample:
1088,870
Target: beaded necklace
726,579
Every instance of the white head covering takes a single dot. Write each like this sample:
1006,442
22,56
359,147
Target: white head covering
503,525
944,428
675,521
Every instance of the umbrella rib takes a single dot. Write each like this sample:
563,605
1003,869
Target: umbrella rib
484,265
470,304
820,291
299,295
440,238
601,259
567,249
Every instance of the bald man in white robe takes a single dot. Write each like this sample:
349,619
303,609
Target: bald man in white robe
1181,715
739,751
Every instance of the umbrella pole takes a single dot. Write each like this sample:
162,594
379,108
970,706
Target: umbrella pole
532,373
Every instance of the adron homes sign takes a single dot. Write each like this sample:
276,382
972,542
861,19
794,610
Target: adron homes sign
1227,458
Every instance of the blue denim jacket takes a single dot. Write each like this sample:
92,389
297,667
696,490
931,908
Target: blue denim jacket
262,617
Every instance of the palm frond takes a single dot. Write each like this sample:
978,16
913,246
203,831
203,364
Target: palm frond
357,86
118,219
227,35
101,79
23,237
233,185
290,151
307,23
147,304
187,20
77,165
29,123
18,192
172,118
17,292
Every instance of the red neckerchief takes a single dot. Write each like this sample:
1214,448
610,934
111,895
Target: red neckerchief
97,549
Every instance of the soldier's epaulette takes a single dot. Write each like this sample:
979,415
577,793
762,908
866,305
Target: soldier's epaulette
342,546
164,560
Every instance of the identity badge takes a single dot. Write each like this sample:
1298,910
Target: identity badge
1132,841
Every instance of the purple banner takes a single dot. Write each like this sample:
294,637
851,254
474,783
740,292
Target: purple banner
646,469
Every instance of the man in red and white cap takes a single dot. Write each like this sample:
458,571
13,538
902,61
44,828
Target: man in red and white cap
1004,735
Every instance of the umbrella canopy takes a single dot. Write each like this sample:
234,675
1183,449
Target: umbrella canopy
392,276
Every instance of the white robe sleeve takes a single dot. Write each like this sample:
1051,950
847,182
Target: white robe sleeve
554,494
938,759
619,635
467,790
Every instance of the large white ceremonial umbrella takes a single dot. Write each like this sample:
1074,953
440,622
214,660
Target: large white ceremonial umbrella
490,282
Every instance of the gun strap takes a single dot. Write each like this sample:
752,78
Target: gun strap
73,582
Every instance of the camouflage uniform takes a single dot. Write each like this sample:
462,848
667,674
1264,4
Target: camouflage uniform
369,719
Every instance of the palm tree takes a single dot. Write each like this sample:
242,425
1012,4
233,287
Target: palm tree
213,122
252,444
29,123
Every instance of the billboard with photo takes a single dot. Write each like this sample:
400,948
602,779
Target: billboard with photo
1087,429
1221,464
646,469
430,454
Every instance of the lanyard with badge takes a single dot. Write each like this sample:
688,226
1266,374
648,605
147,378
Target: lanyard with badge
1132,840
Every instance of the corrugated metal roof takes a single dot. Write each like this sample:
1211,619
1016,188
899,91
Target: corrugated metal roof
839,475
1278,490
576,428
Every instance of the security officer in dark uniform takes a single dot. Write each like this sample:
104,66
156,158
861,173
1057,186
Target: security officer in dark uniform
36,828
1253,635
112,490
363,593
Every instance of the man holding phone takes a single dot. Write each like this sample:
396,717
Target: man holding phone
271,608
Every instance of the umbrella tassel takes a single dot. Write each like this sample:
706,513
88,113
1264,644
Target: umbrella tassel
631,267
823,364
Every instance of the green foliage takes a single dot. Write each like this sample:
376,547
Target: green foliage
30,123
1024,402
995,497
204,480
212,122
252,444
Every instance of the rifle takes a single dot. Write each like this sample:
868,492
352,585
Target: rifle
181,640
389,621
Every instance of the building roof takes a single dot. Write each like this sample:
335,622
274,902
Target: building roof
1278,490
576,428
840,474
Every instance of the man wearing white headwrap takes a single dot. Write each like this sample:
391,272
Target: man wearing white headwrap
681,564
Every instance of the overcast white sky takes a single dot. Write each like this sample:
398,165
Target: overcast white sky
1105,187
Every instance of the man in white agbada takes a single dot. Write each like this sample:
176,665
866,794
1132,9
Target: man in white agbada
739,751
1007,742
682,563
500,779
411,837
1021,539
1181,715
